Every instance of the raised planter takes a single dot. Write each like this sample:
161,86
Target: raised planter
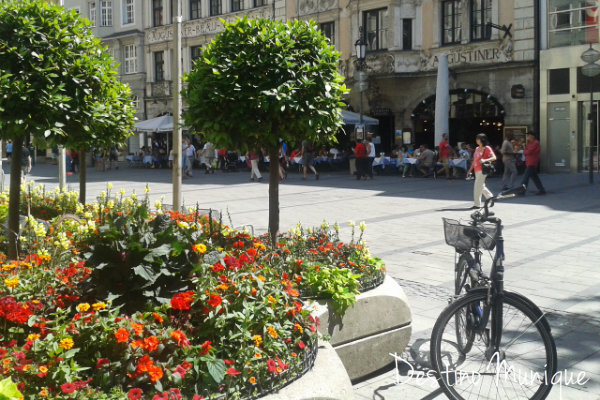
377,325
327,380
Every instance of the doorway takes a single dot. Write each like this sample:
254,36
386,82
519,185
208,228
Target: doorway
559,137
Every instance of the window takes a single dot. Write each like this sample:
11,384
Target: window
159,66
106,13
407,39
128,12
236,5
194,9
584,83
558,81
130,58
260,3
157,13
451,21
328,29
215,7
195,53
136,101
375,32
92,12
572,22
481,14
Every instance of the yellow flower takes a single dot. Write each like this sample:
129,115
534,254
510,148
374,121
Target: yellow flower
257,355
44,392
352,223
260,246
83,307
147,189
199,248
98,306
298,327
261,278
12,282
272,332
271,299
66,343
43,368
257,339
8,267
222,286
109,185
362,226
32,337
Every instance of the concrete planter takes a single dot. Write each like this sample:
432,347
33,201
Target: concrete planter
377,325
327,380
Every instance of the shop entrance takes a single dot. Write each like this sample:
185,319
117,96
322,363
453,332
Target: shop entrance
471,112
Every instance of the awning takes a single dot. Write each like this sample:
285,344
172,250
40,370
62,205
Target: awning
158,124
352,118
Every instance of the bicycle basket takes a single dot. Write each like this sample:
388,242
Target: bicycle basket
455,235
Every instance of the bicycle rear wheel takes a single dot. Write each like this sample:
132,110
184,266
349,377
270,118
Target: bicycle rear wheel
524,367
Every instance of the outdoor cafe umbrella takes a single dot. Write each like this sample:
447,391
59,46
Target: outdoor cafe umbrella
158,124
442,100
352,118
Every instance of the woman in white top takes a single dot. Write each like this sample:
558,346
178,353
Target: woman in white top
370,156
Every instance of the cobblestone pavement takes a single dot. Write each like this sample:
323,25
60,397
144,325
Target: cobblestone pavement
552,247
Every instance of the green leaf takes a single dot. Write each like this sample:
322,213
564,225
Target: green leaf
216,369
8,390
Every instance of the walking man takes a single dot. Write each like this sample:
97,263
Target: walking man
445,156
532,159
509,161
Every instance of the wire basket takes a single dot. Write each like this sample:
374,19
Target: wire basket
454,232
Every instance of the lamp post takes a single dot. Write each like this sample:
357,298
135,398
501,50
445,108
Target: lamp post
591,69
361,54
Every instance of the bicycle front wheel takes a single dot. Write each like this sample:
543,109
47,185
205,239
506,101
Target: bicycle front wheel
522,368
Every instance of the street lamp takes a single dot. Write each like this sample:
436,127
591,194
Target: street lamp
591,69
361,54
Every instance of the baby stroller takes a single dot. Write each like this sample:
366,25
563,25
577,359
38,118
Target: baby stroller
231,161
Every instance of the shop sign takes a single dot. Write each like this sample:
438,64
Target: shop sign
494,52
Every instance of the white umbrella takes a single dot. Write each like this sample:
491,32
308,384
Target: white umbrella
442,100
352,118
158,124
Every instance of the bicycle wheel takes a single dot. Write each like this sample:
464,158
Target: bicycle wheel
464,335
461,273
524,367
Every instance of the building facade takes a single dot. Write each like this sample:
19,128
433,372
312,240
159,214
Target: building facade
491,52
569,27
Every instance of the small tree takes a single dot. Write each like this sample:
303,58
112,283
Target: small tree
262,80
58,78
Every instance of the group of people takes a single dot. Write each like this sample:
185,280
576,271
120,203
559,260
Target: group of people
484,153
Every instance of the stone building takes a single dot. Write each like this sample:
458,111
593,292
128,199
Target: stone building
569,27
491,52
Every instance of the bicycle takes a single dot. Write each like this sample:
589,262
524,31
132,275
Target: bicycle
491,343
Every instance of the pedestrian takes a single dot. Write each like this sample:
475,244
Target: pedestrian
483,153
25,161
532,159
208,153
360,155
426,161
509,160
307,153
253,157
283,160
188,151
370,147
9,148
444,156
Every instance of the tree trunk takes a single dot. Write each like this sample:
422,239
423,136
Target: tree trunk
82,176
14,200
273,194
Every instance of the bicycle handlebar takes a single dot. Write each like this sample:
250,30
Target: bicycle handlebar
478,216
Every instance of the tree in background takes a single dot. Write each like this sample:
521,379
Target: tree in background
57,86
262,80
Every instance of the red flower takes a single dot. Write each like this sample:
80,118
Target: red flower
161,396
301,345
175,393
218,267
122,335
206,346
180,338
68,387
158,318
134,394
102,362
215,300
233,372
228,362
181,371
197,397
271,365
182,301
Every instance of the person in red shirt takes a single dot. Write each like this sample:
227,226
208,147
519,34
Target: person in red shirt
445,155
360,153
483,153
532,159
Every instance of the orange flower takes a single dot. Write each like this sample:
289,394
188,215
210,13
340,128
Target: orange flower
272,332
122,335
158,318
254,291
144,364
151,343
155,373
180,338
138,329
252,380
206,346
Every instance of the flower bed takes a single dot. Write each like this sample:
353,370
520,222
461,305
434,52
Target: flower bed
114,301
